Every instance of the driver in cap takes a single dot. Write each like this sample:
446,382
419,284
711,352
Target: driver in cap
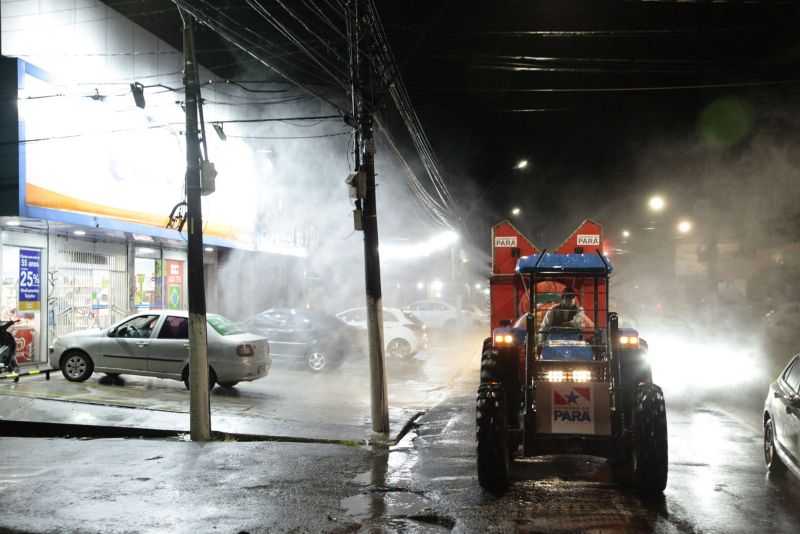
566,314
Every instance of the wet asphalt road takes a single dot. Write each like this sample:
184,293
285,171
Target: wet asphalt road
717,480
426,483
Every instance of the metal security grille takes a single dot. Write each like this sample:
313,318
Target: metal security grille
86,289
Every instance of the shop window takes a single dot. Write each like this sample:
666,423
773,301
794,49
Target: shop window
149,283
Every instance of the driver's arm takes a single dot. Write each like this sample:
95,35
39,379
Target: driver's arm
581,320
547,321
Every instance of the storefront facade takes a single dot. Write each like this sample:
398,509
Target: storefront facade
54,285
90,179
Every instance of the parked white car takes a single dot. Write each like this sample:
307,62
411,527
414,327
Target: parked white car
435,314
404,335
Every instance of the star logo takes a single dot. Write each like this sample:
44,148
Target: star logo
572,398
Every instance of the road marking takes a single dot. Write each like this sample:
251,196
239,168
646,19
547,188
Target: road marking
742,421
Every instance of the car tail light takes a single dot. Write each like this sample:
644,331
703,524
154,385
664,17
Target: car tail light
246,349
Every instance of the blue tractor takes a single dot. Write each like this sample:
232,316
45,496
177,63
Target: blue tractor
562,377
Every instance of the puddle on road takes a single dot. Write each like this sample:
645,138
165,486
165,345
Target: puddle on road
390,503
398,510
385,502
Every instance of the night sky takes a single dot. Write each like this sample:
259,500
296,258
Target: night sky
609,102
594,97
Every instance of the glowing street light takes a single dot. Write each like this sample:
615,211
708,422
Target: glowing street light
684,227
515,211
656,203
522,164
626,234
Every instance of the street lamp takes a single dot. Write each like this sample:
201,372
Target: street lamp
684,227
521,165
656,203
515,211
626,234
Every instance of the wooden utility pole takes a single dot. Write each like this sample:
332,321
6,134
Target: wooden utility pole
366,211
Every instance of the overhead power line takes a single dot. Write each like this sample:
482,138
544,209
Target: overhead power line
444,206
315,34
684,87
248,46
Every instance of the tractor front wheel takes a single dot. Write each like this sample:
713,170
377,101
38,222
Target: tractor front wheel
649,452
494,459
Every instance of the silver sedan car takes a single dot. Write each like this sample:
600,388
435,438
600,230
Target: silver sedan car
782,421
156,343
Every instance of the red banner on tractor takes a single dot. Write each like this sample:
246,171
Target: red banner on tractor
508,295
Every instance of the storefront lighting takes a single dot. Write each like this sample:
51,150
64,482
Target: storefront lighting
209,249
79,232
433,244
220,133
138,94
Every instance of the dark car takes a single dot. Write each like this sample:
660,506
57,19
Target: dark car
319,340
782,421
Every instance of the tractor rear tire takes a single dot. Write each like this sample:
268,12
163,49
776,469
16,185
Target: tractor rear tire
494,458
649,460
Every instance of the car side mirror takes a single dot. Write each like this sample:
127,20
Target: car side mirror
794,401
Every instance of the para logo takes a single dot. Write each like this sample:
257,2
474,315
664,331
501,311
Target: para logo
574,406
510,241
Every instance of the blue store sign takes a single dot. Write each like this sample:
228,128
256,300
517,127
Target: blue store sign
29,279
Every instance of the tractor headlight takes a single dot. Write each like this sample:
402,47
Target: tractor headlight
628,340
554,376
501,339
581,375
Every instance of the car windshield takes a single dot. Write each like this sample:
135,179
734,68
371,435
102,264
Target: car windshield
224,326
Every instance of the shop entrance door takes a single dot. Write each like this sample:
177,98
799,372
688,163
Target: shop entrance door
89,286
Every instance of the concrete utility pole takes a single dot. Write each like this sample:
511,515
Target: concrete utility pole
199,405
366,209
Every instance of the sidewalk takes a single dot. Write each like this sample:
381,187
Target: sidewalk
148,407
290,404
282,464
